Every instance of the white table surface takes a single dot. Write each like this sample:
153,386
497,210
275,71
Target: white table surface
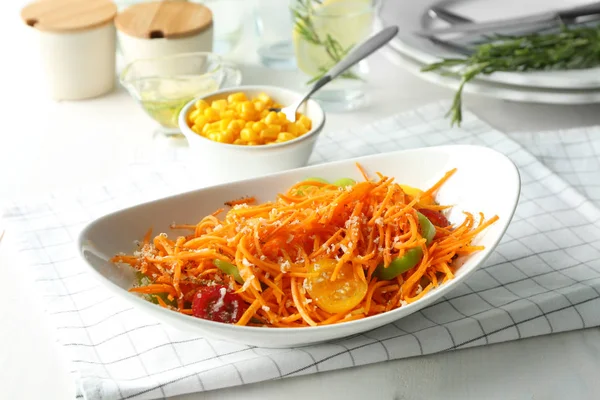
48,146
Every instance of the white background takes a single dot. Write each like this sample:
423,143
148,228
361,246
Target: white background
46,146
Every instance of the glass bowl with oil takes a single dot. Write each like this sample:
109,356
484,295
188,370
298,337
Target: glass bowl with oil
163,85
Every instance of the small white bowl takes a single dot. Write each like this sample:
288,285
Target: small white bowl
228,162
485,181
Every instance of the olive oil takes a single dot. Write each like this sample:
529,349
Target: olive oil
164,99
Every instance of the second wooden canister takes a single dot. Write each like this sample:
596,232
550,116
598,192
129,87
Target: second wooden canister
162,28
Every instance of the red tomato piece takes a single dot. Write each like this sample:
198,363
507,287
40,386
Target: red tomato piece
436,217
217,303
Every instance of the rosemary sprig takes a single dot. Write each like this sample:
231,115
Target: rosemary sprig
569,48
303,24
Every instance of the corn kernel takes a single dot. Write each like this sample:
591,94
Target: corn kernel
259,105
201,105
211,114
224,123
235,126
227,114
247,106
227,137
218,137
214,126
300,128
237,97
193,115
233,133
269,133
292,128
200,121
281,117
265,99
243,121
304,120
276,128
271,118
258,126
219,104
285,136
248,116
248,135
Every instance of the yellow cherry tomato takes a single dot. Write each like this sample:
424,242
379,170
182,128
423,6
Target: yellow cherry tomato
341,295
414,192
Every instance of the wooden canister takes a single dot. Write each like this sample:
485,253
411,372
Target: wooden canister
77,41
162,28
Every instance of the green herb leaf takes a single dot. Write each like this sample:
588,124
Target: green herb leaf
569,48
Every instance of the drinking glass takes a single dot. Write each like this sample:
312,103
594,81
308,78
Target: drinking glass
163,85
274,28
324,32
228,18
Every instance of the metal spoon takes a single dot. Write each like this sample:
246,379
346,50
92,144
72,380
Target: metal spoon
441,13
358,53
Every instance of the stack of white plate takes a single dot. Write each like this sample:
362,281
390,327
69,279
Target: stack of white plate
413,51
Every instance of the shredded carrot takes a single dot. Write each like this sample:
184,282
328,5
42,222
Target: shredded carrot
161,302
277,248
245,200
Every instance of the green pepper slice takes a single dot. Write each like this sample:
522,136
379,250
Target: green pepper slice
143,280
316,179
229,269
300,190
411,258
399,265
427,228
343,182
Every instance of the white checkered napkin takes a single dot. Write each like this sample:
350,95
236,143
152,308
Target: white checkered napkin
573,154
543,278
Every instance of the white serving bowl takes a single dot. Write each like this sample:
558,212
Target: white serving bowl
228,162
486,181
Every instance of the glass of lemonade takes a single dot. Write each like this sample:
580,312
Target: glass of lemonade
324,32
164,85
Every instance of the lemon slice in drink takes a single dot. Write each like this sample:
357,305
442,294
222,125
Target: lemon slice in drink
348,22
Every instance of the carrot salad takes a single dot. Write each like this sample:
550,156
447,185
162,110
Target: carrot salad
320,253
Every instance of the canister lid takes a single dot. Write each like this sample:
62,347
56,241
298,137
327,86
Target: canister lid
68,15
164,19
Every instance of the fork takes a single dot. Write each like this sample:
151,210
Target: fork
358,53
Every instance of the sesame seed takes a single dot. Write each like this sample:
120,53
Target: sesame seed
247,263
